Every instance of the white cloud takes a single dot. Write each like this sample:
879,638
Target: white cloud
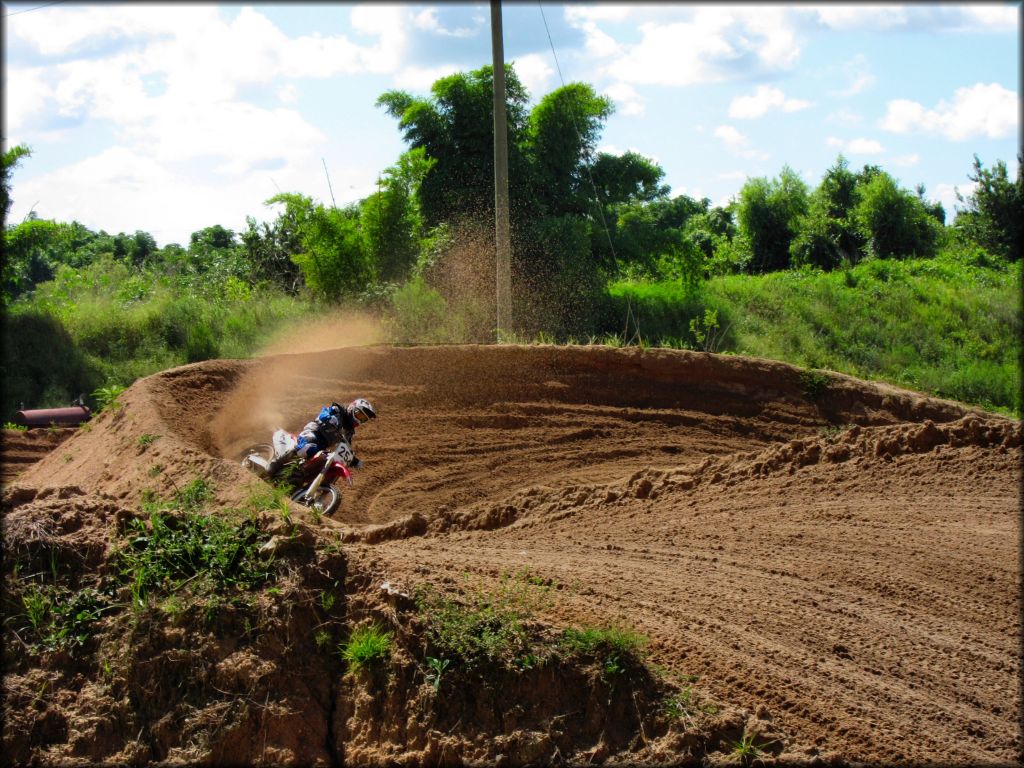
731,137
60,31
535,73
764,99
844,17
420,79
579,14
737,142
190,145
289,94
980,110
717,43
844,116
907,161
242,136
733,176
26,93
777,47
627,100
920,18
997,17
858,77
946,194
427,20
596,41
856,146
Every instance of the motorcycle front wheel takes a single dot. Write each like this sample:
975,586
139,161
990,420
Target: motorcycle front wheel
325,500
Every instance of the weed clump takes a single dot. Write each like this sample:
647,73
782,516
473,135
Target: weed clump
483,627
367,647
616,647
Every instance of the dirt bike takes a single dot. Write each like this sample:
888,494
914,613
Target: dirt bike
313,478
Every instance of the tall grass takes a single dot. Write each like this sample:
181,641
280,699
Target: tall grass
947,326
116,324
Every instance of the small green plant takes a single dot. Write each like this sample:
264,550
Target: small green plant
615,646
323,639
61,619
746,750
813,383
107,397
327,600
831,432
155,469
366,647
147,440
706,330
15,427
435,670
37,607
267,499
681,705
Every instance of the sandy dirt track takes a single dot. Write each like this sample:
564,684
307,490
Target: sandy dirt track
844,563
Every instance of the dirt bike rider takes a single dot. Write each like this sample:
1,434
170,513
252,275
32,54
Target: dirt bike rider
333,423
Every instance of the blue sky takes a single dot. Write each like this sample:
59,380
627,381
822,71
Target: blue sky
171,118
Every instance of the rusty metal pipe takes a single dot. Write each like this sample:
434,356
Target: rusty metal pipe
46,417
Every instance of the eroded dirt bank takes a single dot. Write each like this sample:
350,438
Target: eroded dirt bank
834,560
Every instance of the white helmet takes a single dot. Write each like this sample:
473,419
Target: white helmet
361,410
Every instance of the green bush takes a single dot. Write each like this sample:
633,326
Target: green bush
42,367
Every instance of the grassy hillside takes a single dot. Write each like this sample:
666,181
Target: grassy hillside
948,326
107,325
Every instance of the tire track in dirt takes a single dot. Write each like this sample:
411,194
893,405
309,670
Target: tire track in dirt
861,589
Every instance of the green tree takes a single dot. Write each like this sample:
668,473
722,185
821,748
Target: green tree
893,221
270,248
826,235
8,162
564,129
993,216
391,219
455,127
627,178
32,249
333,259
767,214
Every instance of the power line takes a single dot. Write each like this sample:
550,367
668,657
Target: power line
36,8
593,186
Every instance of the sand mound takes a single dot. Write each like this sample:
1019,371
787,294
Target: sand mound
833,559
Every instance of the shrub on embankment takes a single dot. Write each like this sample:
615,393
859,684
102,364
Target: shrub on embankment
949,326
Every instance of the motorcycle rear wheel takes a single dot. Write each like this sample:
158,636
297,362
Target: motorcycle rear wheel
325,500
263,450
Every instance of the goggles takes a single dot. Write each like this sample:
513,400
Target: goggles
360,415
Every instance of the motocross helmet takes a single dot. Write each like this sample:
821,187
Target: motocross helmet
361,410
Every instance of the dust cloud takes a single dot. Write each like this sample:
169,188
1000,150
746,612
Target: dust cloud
267,396
340,329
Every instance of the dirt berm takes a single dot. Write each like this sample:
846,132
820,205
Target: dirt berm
826,569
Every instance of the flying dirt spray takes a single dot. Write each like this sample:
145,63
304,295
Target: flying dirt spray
282,390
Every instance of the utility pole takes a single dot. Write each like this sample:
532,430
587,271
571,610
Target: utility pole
502,236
